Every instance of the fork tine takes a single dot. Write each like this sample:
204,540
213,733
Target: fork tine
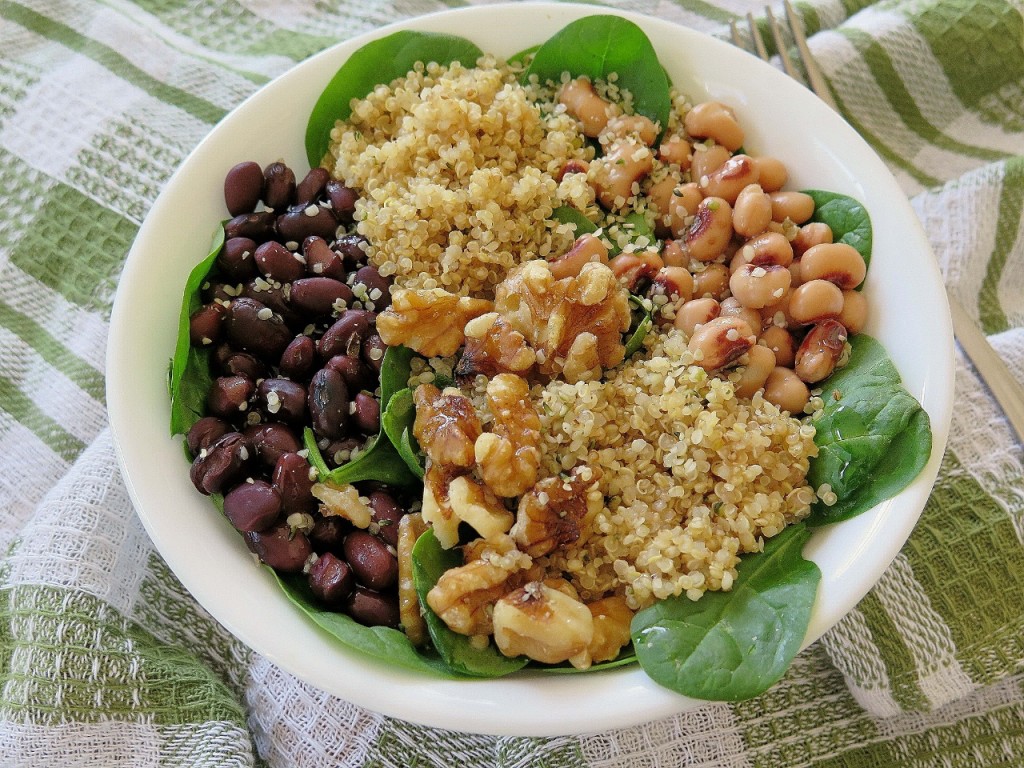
780,45
755,35
814,76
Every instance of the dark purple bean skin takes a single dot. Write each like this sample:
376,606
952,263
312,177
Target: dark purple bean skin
329,533
352,250
243,186
271,441
229,396
273,295
222,464
366,417
278,186
342,199
236,259
254,327
298,358
244,364
386,514
252,506
373,564
205,432
377,292
296,224
328,404
310,189
293,481
337,452
373,608
206,323
346,335
373,351
330,579
318,295
321,261
278,263
282,399
280,548
357,374
259,226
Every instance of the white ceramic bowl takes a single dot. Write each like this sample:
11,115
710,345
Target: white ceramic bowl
781,118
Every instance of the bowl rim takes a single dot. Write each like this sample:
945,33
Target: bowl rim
602,700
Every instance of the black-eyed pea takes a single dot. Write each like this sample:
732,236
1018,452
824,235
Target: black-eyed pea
720,342
855,311
777,313
797,276
659,199
706,160
583,103
711,230
772,173
818,353
798,207
712,281
838,263
682,207
714,120
616,179
815,300
757,286
696,312
781,343
632,269
752,377
632,125
767,248
784,389
675,283
809,235
587,248
731,307
674,255
676,151
752,211
729,179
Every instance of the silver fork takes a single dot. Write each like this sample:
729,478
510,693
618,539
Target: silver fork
1007,391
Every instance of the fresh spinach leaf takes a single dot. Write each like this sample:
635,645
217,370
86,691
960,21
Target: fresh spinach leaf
846,217
624,659
873,437
644,324
388,645
395,369
566,214
597,46
189,378
379,461
635,226
397,421
732,646
377,62
429,561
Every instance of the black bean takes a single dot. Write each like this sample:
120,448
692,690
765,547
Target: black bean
222,464
252,506
352,249
374,565
254,327
206,323
229,396
312,186
281,548
293,480
373,608
236,259
219,292
271,441
298,357
357,374
328,534
321,261
244,364
243,186
366,416
204,433
320,295
373,351
346,335
342,199
376,288
328,404
282,399
296,224
386,514
259,226
273,294
278,263
330,579
278,186
338,452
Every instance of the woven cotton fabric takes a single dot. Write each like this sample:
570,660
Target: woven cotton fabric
105,660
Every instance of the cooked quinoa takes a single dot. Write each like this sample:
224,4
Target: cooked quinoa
459,171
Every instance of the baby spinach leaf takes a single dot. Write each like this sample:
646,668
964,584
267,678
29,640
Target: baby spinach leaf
732,646
429,561
384,643
395,369
189,377
379,461
624,659
377,62
847,218
644,324
397,421
597,46
873,437
566,214
635,226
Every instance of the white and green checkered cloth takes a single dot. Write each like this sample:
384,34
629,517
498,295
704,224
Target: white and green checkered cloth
105,660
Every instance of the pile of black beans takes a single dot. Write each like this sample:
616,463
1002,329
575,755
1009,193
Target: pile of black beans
289,322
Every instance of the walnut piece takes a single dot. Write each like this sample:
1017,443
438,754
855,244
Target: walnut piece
430,322
477,506
343,501
612,617
493,347
446,425
463,596
509,455
543,623
410,527
436,509
556,510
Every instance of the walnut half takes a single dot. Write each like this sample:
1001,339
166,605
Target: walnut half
431,322
509,455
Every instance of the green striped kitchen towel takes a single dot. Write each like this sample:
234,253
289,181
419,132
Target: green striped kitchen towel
106,661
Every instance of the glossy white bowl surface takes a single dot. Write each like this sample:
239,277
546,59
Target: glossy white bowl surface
909,315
